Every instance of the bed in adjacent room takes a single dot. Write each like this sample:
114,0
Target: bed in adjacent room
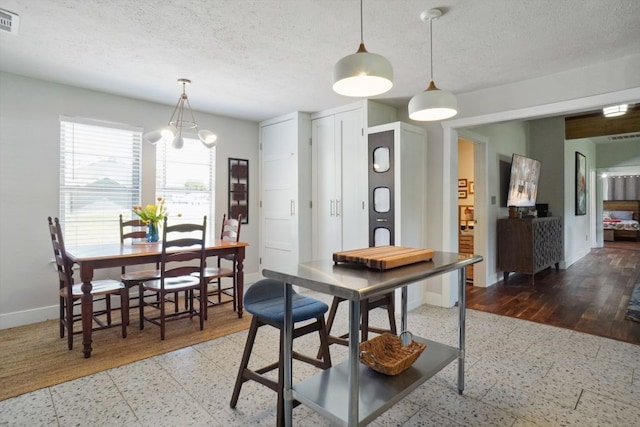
620,219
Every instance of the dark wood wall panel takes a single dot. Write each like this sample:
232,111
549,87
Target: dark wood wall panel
596,124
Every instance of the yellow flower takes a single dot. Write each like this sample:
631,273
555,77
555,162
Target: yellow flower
152,214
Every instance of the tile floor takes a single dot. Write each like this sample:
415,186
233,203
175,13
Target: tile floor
518,373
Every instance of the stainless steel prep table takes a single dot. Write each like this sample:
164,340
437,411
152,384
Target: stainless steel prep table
350,393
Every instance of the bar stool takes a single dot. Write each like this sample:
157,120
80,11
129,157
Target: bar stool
387,301
265,301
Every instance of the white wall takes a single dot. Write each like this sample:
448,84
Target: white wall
576,227
619,154
29,180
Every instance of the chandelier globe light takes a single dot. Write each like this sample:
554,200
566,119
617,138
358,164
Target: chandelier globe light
172,132
433,104
362,74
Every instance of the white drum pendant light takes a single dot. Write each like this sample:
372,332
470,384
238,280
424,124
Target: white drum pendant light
362,74
432,104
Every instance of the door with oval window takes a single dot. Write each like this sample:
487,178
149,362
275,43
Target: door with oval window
381,189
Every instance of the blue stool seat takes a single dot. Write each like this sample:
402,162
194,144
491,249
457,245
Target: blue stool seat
265,299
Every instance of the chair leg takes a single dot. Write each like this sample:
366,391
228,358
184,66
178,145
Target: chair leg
244,363
364,322
162,313
204,305
324,343
390,313
141,304
108,306
235,291
124,309
69,321
332,313
61,317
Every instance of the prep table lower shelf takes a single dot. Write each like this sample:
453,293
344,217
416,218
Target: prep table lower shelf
328,391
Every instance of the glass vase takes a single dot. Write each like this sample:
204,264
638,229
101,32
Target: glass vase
152,232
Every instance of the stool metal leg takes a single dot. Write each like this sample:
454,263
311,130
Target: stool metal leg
288,355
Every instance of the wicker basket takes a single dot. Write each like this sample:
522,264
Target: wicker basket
386,354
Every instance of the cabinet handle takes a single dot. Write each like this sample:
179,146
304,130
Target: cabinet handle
293,207
337,207
331,208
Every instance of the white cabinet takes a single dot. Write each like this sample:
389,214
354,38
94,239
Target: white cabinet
285,191
339,175
400,217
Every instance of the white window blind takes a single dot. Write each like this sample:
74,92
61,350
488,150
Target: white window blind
100,178
185,178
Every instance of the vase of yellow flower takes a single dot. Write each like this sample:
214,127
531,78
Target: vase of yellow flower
152,233
152,215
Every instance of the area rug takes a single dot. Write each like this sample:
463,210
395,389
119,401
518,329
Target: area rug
34,356
633,309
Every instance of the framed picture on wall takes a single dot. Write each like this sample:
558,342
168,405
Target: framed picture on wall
472,188
462,194
462,183
581,184
239,189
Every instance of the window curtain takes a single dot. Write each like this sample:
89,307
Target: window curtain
624,187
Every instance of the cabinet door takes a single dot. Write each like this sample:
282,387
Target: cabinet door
381,170
352,207
326,177
279,195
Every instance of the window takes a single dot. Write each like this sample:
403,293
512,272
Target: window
99,178
186,179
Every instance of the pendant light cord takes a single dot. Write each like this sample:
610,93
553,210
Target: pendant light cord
361,30
431,47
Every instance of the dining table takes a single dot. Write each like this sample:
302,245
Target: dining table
350,393
98,256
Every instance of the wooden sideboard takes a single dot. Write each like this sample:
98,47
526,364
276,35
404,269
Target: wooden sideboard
529,245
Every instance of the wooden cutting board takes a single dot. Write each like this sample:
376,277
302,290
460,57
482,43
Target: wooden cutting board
384,257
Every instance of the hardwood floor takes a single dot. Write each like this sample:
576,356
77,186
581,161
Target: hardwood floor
590,296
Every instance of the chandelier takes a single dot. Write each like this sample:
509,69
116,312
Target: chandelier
178,122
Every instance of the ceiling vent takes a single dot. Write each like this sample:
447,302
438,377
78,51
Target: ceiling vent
9,21
624,137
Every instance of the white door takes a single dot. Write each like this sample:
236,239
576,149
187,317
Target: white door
353,204
326,176
279,195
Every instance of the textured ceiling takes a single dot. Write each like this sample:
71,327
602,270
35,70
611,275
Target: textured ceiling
259,59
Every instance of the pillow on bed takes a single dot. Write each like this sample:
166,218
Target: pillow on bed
606,215
625,215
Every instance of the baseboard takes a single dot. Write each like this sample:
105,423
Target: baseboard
432,298
566,263
27,317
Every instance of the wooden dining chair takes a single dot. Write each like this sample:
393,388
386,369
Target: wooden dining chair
130,232
183,254
71,293
230,231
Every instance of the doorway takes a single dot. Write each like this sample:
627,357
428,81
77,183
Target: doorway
473,166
